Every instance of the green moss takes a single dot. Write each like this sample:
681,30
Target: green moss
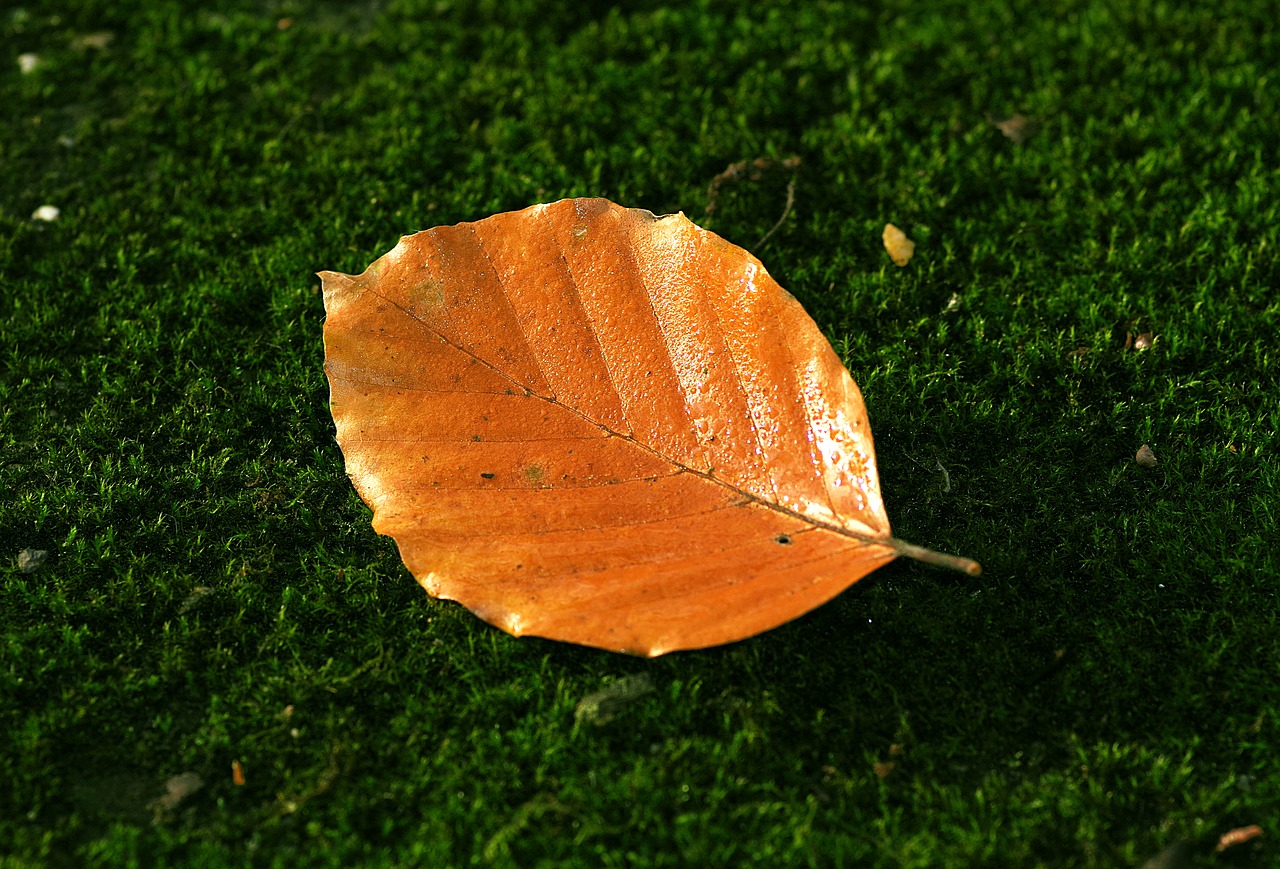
214,592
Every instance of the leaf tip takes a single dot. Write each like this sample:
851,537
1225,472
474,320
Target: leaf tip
335,287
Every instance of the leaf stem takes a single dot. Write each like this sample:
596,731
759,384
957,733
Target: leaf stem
937,559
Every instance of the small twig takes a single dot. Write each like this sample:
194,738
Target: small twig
937,559
791,199
946,478
757,168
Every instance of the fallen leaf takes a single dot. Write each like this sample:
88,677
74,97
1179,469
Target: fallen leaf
1145,457
589,423
900,248
237,773
1238,836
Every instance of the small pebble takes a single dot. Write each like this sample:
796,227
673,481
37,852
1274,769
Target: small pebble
29,560
28,62
47,213
1145,457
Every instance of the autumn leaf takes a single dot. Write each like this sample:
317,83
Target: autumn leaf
589,423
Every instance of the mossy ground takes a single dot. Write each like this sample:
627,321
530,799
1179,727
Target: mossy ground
1106,690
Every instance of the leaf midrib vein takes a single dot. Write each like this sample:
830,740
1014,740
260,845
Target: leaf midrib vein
707,476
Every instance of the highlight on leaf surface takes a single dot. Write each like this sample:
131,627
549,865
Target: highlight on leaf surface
900,248
589,423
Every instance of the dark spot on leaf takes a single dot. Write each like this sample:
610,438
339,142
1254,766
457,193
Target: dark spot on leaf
784,539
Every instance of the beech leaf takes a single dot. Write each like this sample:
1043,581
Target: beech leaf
589,423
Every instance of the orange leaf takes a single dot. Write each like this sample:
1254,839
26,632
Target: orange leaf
588,423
